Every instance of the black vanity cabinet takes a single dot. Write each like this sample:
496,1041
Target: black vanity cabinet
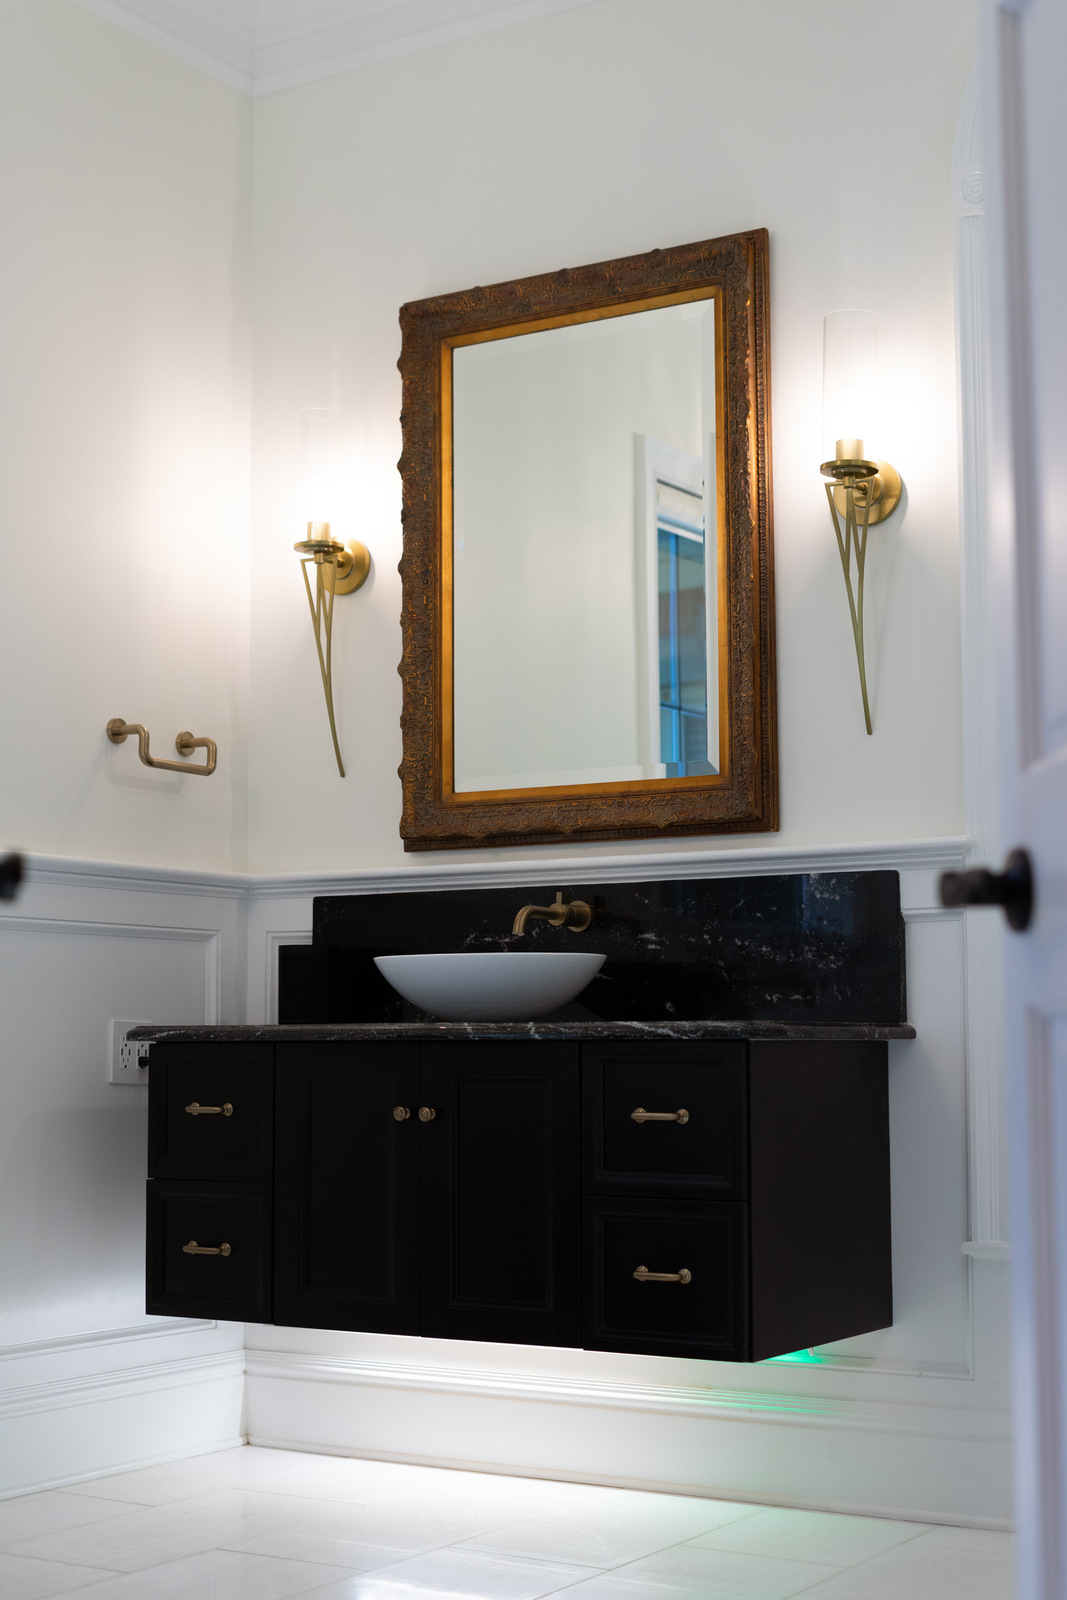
723,1198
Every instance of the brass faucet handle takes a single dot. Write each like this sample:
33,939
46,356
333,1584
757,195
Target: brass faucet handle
579,916
573,914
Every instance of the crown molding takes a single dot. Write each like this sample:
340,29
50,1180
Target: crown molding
218,36
277,44
300,40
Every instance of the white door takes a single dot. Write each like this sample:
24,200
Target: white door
1025,62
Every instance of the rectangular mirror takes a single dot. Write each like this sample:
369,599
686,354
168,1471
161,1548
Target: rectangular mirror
588,602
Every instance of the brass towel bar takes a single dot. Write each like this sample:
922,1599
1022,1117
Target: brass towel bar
117,731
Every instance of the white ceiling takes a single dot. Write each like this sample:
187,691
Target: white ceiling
262,45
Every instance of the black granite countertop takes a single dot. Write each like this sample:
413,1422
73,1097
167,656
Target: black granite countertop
352,1032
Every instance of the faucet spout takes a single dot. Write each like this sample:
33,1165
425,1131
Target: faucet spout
573,914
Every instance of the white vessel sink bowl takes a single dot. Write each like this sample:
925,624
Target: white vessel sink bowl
490,986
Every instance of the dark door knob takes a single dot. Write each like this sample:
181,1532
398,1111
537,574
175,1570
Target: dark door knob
10,876
1013,889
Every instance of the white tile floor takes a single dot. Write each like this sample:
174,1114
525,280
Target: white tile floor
254,1524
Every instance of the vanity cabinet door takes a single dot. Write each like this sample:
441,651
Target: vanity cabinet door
629,1092
347,1187
500,1215
209,1250
210,1111
689,1296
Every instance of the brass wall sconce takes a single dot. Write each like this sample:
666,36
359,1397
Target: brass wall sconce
117,731
861,492
339,568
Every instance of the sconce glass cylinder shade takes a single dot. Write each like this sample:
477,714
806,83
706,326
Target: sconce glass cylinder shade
850,382
317,445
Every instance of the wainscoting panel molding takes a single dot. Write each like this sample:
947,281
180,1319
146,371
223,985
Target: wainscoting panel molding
88,1383
910,1422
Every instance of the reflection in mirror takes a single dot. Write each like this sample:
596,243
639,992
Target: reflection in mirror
585,587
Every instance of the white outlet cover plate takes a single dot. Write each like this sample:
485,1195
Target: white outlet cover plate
122,1056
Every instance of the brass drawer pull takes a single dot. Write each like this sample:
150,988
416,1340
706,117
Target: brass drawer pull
401,1113
644,1276
197,1110
426,1113
194,1249
641,1115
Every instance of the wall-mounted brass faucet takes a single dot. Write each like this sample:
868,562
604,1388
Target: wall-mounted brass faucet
575,914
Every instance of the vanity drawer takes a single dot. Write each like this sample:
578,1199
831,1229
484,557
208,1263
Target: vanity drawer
211,1112
703,1316
700,1153
233,1219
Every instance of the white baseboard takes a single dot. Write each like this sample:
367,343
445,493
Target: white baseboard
68,1430
925,1463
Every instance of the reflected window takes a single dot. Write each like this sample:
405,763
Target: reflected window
682,612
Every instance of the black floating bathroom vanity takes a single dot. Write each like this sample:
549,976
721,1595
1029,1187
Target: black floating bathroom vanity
669,1185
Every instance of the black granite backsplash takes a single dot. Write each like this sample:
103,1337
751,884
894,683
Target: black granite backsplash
809,947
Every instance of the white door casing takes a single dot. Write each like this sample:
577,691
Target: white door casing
1024,50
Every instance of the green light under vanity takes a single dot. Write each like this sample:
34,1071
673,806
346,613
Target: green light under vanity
798,1358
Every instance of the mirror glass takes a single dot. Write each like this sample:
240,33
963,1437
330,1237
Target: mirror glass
586,549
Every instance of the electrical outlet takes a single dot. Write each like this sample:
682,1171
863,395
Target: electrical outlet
127,1059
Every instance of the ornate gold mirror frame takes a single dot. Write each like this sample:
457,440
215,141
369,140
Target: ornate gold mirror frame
742,797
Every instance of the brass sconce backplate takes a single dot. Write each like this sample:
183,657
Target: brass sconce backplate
885,491
351,570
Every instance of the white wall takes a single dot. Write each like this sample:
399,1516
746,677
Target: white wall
592,133
123,438
124,281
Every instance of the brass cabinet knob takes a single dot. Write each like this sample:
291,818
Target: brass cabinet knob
641,1115
401,1113
194,1249
682,1276
426,1113
197,1110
